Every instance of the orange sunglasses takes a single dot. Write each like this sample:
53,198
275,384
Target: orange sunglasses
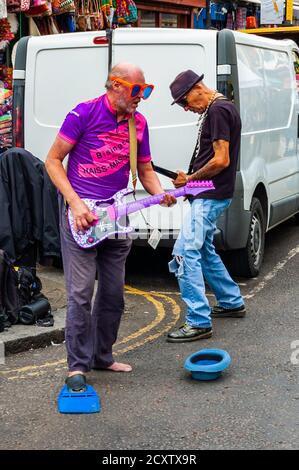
136,87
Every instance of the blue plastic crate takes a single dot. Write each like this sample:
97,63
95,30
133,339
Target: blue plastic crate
78,402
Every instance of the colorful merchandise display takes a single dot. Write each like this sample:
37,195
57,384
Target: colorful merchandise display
20,18
65,16
5,30
229,15
5,118
8,28
6,76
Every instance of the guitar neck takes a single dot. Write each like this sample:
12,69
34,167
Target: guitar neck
131,207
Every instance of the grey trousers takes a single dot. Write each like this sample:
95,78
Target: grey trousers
92,331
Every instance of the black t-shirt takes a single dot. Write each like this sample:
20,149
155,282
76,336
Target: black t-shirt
221,123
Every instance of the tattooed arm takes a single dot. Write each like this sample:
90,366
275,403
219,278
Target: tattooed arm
219,162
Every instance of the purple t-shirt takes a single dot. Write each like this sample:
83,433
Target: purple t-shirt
99,162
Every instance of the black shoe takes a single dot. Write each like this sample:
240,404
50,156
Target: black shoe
188,333
219,312
76,383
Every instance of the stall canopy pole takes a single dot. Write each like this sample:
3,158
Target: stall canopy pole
20,25
109,34
208,14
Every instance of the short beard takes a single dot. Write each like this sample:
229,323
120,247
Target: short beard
123,106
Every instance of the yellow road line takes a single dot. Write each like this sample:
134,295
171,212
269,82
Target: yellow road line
40,366
159,317
160,314
176,310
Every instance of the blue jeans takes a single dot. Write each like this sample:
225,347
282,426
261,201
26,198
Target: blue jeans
195,259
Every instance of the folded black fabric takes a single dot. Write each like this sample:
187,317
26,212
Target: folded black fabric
29,207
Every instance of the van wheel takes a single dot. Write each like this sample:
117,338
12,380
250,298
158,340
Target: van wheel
248,261
296,218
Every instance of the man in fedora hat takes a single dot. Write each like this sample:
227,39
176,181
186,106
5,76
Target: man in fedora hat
194,257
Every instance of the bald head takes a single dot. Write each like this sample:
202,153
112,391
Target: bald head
120,93
126,71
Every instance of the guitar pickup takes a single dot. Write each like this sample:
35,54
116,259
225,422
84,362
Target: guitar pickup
111,212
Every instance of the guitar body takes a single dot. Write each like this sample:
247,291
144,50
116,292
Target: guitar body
110,212
107,224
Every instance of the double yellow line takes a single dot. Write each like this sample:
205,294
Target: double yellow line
150,332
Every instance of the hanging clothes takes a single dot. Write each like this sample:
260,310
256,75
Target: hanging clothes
29,208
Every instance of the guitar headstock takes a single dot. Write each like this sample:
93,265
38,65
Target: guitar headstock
196,187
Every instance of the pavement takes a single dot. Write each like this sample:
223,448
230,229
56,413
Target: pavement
142,313
19,338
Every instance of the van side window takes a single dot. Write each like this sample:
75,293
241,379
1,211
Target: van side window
265,88
253,100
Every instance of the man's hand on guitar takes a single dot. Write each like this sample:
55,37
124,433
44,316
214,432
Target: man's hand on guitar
83,217
181,180
168,200
112,213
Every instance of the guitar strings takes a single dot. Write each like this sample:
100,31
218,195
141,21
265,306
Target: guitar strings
146,222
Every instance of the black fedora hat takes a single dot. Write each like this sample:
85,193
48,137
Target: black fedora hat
183,83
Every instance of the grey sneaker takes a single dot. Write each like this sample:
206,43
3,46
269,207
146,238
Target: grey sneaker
219,312
188,333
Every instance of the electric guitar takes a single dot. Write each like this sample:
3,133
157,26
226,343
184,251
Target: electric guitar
110,211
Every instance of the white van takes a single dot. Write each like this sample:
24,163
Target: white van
54,73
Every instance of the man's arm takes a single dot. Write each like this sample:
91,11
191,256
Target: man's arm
59,150
219,162
151,183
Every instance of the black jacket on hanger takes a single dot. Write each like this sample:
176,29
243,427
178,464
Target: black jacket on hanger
28,206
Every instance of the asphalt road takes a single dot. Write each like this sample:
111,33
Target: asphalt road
254,405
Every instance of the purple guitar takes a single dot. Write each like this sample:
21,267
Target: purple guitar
110,211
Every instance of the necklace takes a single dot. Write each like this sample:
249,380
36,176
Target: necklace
200,124
204,114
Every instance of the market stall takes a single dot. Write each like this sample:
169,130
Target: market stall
20,18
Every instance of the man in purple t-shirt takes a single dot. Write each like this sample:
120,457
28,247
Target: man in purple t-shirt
95,135
215,157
